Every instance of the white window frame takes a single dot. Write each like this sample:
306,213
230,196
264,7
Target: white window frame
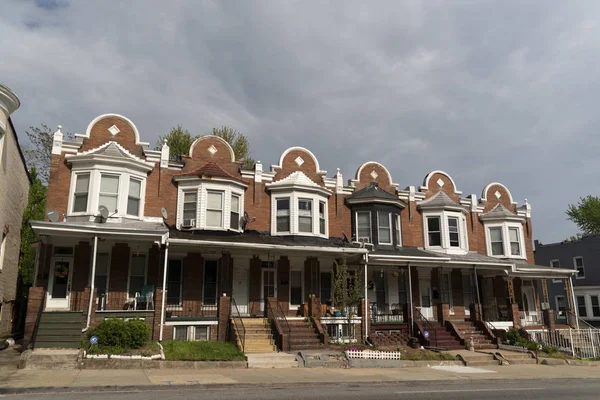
557,306
289,216
575,267
445,247
221,210
292,305
324,219
202,188
505,239
312,214
458,231
118,194
390,230
232,211
191,332
72,194
196,208
398,230
552,266
133,178
370,225
145,254
294,197
597,296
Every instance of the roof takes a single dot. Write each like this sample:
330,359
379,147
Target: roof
210,169
373,193
441,201
12,127
297,180
499,213
476,258
406,251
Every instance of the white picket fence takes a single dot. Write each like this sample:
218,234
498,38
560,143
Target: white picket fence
373,354
583,343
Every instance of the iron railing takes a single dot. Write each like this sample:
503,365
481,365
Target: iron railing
424,325
238,324
37,320
495,313
576,322
386,314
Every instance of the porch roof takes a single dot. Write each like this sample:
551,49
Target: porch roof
132,230
541,272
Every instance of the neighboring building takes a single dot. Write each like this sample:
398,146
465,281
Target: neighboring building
247,236
14,193
581,256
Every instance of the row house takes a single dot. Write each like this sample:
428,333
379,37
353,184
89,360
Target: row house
202,249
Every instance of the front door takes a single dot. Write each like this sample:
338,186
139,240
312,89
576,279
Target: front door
425,293
269,286
531,315
59,286
240,288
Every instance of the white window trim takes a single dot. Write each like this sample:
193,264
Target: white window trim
325,212
301,285
445,232
575,267
222,210
125,175
119,187
227,189
131,254
398,230
505,239
312,213
294,196
134,178
390,230
551,266
231,211
587,294
370,225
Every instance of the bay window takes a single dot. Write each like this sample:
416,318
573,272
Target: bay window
305,216
445,231
505,240
299,213
214,209
283,215
134,198
384,227
363,225
80,195
109,192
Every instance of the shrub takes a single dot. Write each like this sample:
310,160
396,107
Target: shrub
139,333
117,333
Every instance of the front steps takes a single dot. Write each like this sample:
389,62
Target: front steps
474,359
303,336
258,337
518,358
59,330
272,360
468,330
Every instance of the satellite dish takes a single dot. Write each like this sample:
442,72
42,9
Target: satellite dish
246,217
244,220
163,211
103,211
52,215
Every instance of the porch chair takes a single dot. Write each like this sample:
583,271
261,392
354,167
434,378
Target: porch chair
146,296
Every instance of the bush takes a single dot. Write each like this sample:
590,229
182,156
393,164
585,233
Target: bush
139,333
116,333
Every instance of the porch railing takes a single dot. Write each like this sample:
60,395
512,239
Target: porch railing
191,309
582,343
279,324
576,322
37,319
424,325
496,313
238,323
386,314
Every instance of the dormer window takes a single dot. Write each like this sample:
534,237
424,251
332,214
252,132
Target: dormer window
283,215
445,224
384,227
503,232
80,196
363,226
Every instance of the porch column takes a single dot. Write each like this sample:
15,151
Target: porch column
366,315
514,306
164,293
94,254
411,308
575,308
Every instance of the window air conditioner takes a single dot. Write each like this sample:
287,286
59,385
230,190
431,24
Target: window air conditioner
364,239
188,223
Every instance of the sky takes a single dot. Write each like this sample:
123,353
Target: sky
487,91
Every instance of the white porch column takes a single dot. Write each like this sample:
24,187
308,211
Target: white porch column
366,310
164,289
94,254
575,308
410,301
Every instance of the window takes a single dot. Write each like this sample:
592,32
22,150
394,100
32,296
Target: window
109,192
214,209
325,287
189,207
304,215
80,196
234,219
2,249
384,227
595,306
283,215
174,282
433,231
134,198
515,247
137,274
560,305
363,225
555,264
581,308
296,287
398,231
497,241
453,232
211,273
322,217
578,262
101,277
191,332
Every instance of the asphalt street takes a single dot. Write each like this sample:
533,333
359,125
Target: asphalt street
584,389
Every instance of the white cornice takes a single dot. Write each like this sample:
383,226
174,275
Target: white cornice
9,102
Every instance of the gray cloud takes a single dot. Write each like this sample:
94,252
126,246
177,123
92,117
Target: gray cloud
485,90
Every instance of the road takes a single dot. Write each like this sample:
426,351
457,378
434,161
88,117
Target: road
584,389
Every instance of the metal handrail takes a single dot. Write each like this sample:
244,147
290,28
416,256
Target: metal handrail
420,318
578,321
37,320
283,319
238,323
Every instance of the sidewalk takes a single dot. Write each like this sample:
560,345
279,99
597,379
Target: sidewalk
17,380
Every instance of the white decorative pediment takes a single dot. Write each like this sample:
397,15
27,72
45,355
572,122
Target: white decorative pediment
110,153
297,180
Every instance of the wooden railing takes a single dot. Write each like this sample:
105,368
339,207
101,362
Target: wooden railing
238,323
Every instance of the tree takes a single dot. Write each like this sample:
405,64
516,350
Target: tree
39,153
239,143
586,215
348,289
179,140
34,211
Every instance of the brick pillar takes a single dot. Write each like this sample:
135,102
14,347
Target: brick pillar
475,311
549,319
515,315
443,312
158,296
314,308
34,300
224,313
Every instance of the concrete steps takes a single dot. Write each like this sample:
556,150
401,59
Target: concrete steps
303,336
258,337
473,359
59,329
519,359
272,360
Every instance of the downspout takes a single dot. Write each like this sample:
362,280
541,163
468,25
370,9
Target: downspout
410,296
164,289
366,310
89,316
574,300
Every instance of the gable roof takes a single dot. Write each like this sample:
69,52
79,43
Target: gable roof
441,201
374,194
210,169
298,180
111,152
500,213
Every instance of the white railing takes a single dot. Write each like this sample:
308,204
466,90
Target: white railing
373,354
531,318
583,343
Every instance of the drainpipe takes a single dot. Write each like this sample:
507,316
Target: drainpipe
164,289
366,310
575,308
89,316
410,296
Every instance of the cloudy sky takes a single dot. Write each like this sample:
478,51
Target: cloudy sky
485,90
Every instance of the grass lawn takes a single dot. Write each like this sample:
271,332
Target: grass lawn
180,350
148,350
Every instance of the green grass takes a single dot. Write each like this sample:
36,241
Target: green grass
150,349
179,350
421,355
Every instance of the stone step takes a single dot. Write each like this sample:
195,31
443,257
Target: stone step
520,361
272,360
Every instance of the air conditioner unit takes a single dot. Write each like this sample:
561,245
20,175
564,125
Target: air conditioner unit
364,239
188,223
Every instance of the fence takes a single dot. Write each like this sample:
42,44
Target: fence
373,355
582,343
